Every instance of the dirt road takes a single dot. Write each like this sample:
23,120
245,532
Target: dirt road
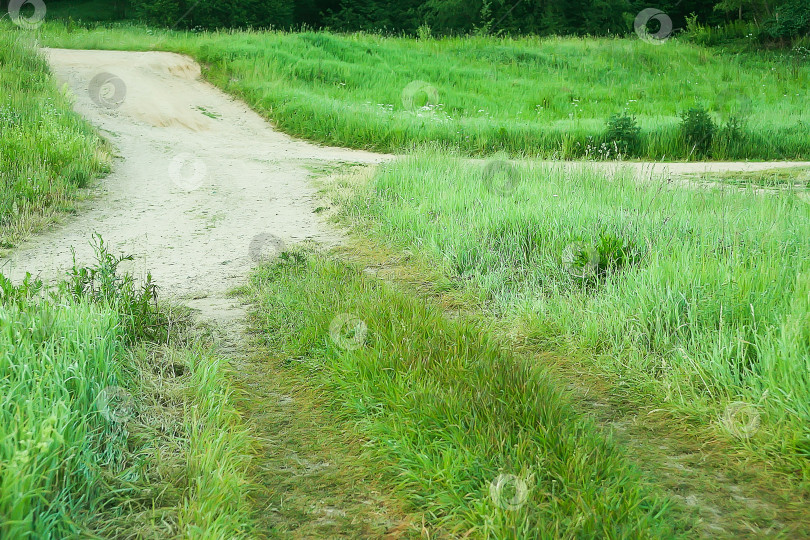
202,185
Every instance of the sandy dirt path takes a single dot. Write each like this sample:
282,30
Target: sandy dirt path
201,186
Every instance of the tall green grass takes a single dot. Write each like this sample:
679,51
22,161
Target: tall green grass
55,362
47,151
700,296
480,442
106,434
481,95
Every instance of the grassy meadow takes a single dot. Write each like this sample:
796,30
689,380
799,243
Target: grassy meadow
47,152
120,421
549,97
698,296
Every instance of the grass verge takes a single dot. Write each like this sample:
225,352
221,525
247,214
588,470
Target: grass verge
482,95
47,152
482,443
105,433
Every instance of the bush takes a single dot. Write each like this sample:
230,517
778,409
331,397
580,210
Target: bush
790,21
698,130
624,134
161,12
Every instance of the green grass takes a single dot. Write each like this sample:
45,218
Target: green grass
697,297
110,437
47,152
523,96
447,412
202,460
55,442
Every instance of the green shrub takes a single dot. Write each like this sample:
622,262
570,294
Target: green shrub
698,130
215,14
624,134
790,21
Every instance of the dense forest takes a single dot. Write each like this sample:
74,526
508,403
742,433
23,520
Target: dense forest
772,19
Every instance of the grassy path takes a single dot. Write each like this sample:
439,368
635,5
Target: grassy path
723,492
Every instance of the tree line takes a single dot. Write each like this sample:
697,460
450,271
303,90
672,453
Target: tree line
778,19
